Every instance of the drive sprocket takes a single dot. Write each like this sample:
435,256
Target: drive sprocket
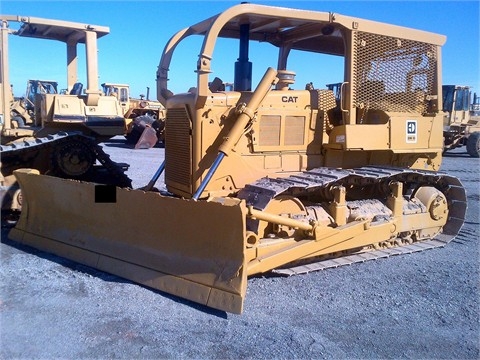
74,158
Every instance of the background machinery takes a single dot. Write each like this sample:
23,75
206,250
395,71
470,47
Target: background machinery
461,122
283,178
145,118
52,132
22,109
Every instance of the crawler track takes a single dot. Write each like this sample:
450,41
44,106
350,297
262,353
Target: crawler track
43,154
371,182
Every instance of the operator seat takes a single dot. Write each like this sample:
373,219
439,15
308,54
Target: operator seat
76,89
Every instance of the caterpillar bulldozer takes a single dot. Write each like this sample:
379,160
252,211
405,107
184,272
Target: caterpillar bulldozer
53,132
281,178
461,122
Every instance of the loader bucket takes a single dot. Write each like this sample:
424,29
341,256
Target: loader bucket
143,132
192,249
148,139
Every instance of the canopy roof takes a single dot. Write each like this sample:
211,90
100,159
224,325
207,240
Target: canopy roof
60,30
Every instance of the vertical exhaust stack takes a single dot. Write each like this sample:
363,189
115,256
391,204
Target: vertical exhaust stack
243,67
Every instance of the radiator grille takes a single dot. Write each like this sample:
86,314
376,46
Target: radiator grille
392,74
269,130
178,147
294,130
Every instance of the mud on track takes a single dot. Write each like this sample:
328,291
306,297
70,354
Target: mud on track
422,305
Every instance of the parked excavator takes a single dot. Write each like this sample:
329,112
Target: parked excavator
461,122
145,118
53,132
283,178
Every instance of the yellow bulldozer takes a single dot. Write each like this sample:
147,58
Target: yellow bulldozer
85,110
54,132
281,178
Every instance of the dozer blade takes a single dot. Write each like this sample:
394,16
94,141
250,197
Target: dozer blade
192,249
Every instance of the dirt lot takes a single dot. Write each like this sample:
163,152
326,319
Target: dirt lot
422,305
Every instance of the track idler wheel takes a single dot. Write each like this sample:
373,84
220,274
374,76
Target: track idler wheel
436,206
285,206
434,201
74,159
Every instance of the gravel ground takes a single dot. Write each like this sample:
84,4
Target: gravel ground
423,305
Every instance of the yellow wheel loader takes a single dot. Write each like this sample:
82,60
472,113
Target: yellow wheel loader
145,119
23,109
284,178
461,122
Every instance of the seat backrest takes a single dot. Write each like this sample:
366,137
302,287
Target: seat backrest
76,89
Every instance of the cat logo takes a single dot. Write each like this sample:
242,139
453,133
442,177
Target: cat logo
411,128
289,99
